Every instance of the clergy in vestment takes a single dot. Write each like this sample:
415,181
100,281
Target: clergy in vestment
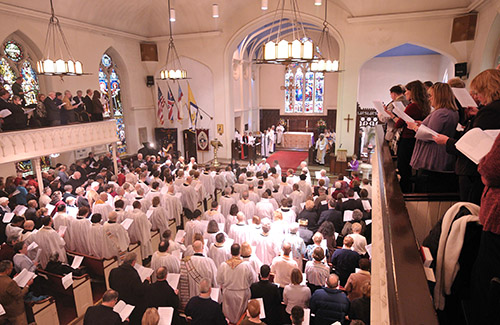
140,229
248,256
246,206
219,180
208,182
173,205
226,201
49,241
102,207
99,244
240,187
159,216
321,149
193,270
194,226
161,258
154,192
240,231
234,277
265,208
252,195
61,218
79,232
284,187
279,133
118,235
190,197
218,251
266,247
213,214
119,210
298,198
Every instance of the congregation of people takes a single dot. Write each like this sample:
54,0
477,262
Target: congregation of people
55,108
259,238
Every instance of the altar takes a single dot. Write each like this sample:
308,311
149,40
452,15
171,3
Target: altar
298,140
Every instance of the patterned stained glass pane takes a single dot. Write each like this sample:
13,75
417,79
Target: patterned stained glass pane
103,87
106,61
288,92
308,92
299,91
319,91
116,93
30,83
13,51
120,131
7,75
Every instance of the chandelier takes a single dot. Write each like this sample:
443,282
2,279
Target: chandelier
173,69
56,46
282,51
323,62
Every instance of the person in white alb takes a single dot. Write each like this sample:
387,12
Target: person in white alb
266,247
161,258
117,234
159,216
218,251
240,231
246,206
140,230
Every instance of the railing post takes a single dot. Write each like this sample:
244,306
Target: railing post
115,164
38,170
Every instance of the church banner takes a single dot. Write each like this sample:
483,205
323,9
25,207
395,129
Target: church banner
202,139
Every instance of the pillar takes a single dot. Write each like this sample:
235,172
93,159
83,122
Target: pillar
35,162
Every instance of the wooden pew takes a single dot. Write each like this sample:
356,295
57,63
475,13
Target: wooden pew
98,268
155,239
81,290
136,248
45,311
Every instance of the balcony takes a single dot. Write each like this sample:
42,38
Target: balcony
27,144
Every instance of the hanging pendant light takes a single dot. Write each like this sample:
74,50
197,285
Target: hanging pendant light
300,49
173,69
264,4
57,58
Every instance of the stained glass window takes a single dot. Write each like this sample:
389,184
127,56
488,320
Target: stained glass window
304,92
15,63
109,84
13,51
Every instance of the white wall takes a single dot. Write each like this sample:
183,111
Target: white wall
379,74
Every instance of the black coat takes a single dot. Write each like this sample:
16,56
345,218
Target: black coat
161,294
334,216
101,315
53,112
312,219
89,107
272,300
352,204
16,120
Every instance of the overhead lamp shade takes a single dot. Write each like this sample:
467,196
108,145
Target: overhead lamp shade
172,15
270,51
60,66
178,74
171,74
329,65
78,67
335,65
162,74
321,65
314,66
264,5
308,50
48,66
215,10
71,67
317,2
296,49
283,50
39,66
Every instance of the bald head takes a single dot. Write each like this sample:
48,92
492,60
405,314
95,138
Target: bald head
198,246
287,248
112,216
241,217
103,196
333,281
29,225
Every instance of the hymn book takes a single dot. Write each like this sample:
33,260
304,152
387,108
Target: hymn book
4,113
20,210
124,310
307,316
463,97
425,133
8,217
173,280
149,213
214,294
180,234
62,230
379,106
144,272
399,110
2,310
166,314
348,215
24,277
476,143
127,223
67,280
77,261
366,205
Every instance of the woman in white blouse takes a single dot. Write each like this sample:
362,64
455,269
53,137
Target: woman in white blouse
296,294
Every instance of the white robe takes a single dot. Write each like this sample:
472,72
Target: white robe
254,197
225,204
169,261
279,133
297,199
189,198
235,284
79,232
240,188
264,209
255,265
266,248
209,184
159,219
230,220
321,150
99,243
200,189
220,182
49,241
192,227
151,195
140,231
289,215
305,188
240,233
173,206
203,267
214,215
285,189
247,207
104,209
219,254
118,236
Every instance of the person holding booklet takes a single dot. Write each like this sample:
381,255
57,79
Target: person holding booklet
434,165
103,313
418,109
486,85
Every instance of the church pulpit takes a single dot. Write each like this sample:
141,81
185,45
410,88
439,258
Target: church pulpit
312,156
336,166
252,153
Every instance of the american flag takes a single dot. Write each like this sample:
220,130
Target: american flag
170,105
161,106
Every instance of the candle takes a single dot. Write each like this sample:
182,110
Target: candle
307,124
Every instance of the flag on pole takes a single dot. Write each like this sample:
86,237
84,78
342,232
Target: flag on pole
193,113
161,106
179,102
170,105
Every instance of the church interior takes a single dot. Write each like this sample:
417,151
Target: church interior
181,110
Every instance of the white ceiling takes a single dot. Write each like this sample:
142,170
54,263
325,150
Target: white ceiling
149,18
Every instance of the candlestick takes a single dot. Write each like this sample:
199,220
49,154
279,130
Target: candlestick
307,124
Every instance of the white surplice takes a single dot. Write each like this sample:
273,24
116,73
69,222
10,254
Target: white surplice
167,260
104,209
79,233
219,254
49,241
240,232
189,198
264,209
225,204
118,236
140,231
99,243
173,206
247,207
266,248
159,219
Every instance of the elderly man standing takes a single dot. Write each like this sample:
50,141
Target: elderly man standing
104,313
283,265
235,277
329,304
202,309
11,296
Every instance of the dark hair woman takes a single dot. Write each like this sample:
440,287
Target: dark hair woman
97,105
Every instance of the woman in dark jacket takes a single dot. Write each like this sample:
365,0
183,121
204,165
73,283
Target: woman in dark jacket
98,109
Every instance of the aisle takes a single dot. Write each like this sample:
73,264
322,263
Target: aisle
288,159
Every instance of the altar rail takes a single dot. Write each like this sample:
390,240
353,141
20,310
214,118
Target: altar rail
26,144
400,294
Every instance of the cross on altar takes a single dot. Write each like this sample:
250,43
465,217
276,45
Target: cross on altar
348,119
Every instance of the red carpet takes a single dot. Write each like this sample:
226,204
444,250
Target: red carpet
288,159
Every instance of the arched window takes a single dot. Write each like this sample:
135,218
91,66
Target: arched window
14,61
109,84
304,90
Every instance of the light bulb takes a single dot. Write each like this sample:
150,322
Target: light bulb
172,15
263,5
215,11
